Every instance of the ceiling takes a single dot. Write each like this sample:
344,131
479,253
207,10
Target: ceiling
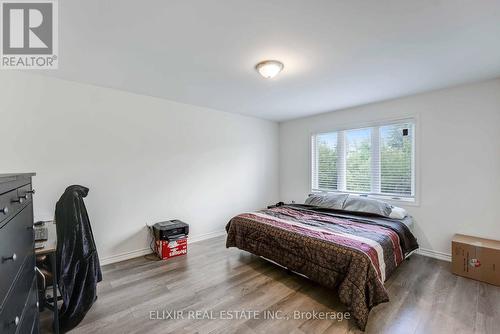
337,54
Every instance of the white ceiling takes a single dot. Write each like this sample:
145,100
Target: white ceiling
337,54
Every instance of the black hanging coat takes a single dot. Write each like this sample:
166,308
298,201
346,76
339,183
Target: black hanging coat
78,269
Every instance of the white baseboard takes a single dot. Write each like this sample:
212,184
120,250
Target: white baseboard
205,236
434,254
124,256
145,251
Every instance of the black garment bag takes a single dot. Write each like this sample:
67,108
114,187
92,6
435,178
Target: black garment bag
78,269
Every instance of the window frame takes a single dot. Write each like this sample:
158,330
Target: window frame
395,199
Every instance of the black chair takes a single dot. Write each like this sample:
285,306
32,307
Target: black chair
45,280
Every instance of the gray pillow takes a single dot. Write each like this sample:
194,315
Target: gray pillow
367,205
330,201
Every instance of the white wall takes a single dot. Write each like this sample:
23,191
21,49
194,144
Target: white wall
458,159
144,159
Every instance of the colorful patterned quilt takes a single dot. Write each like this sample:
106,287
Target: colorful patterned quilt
352,254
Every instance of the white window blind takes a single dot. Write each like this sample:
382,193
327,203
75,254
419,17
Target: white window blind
325,161
377,160
358,160
396,159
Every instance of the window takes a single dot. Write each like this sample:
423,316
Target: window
376,160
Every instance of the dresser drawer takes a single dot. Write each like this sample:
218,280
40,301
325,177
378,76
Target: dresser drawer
29,319
12,312
13,182
10,204
16,243
25,193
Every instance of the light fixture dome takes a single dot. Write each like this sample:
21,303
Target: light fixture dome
269,68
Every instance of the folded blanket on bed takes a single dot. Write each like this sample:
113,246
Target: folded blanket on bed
352,254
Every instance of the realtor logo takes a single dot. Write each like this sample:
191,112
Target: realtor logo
29,34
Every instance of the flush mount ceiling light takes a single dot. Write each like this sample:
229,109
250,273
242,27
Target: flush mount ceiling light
269,68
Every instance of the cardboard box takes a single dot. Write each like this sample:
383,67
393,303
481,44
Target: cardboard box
476,258
168,249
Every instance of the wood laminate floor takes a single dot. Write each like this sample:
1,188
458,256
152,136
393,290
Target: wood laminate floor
424,298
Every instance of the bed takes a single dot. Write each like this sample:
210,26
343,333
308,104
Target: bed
351,252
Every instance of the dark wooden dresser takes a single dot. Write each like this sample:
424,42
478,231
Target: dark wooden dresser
18,290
